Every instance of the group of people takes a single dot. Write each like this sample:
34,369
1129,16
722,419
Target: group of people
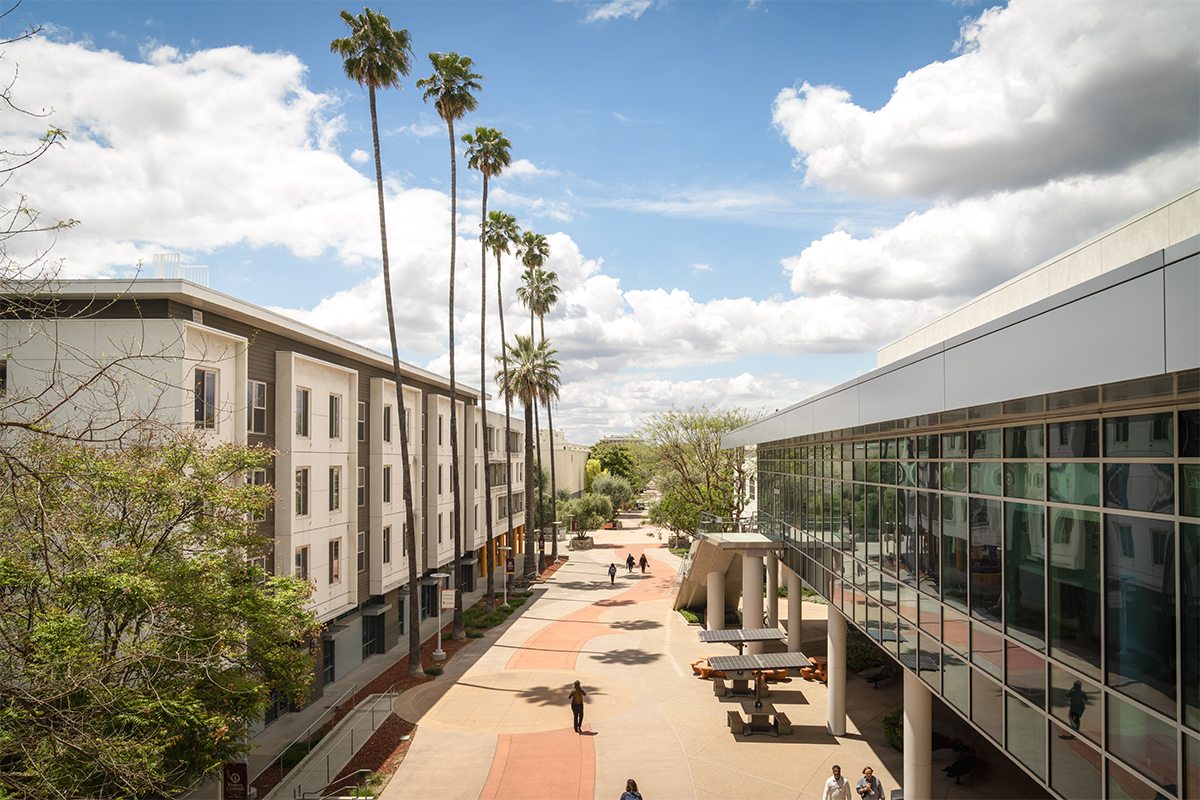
838,788
629,562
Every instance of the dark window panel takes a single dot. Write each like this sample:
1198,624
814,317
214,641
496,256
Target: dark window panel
1025,674
1139,436
1140,487
1026,441
1076,770
985,444
1076,701
1075,599
1190,546
1142,741
1024,585
986,541
1078,439
1026,732
987,705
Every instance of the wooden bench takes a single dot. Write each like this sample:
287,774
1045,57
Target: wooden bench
817,672
719,688
736,723
783,725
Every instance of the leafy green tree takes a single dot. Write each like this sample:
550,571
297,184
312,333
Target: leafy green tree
620,459
451,88
138,642
488,152
615,488
591,470
375,56
691,468
672,511
531,375
590,511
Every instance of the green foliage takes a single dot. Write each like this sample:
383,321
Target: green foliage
893,728
862,656
689,615
620,460
298,751
615,488
475,634
138,642
673,511
434,671
591,469
590,511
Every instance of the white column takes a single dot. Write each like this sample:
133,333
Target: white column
918,738
795,612
752,597
772,591
836,639
716,601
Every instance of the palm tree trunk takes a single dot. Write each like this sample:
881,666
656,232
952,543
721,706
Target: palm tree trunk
460,633
530,562
410,527
508,478
490,552
553,483
540,522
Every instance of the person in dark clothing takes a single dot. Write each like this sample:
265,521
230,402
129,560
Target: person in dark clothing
631,791
577,695
612,574
1078,698
629,562
644,563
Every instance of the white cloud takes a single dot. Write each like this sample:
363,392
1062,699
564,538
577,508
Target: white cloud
524,168
533,206
703,203
423,129
360,156
698,268
1040,92
615,9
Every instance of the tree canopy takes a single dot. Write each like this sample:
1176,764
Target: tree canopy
621,460
590,511
614,487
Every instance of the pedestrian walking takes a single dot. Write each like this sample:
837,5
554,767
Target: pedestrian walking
612,574
1078,698
837,787
631,792
644,562
577,695
869,787
629,562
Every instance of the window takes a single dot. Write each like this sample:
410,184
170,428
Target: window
439,429
302,398
335,416
335,488
362,421
387,484
439,528
256,407
362,486
302,563
477,434
439,478
387,544
335,561
475,518
257,477
302,492
387,423
258,569
206,399
476,476
362,551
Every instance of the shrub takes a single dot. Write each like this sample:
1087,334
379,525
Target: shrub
517,601
893,728
862,656
474,634
298,750
434,671
733,618
689,615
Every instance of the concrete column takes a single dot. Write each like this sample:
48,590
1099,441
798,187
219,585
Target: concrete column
772,591
836,711
795,612
752,597
918,737
716,601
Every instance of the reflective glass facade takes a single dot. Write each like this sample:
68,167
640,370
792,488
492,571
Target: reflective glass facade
1037,563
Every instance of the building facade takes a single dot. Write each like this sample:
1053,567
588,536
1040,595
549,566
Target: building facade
1010,505
570,461
174,352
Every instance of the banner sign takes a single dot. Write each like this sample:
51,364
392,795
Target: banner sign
447,599
234,781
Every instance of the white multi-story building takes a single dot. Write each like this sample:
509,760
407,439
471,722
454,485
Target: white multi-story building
570,460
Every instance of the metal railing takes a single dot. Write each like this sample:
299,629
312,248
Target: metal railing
720,528
373,710
331,711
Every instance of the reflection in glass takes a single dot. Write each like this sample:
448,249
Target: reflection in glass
873,450
887,472
927,446
985,444
954,476
1125,785
1026,674
986,705
1076,702
1142,740
1189,490
1026,481
985,560
1027,735
955,556
1139,436
956,681
906,533
888,533
930,654
987,650
1075,483
927,475
1080,439
906,473
1075,768
1191,766
986,478
931,617
1140,487
907,602
1075,588
872,471
1190,570
872,530
954,445
1025,572
956,630
1024,442
906,447
1189,433
929,537
1140,581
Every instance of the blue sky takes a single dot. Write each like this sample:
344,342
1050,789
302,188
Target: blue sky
743,200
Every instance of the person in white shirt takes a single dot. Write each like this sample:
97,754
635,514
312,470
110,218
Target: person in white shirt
837,787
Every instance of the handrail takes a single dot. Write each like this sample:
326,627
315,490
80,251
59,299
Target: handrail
297,792
331,710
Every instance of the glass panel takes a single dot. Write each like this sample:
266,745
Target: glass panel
906,473
1140,487
1124,785
860,470
931,617
954,476
986,478
1191,766
888,534
1025,566
987,650
1075,768
986,705
1189,490
872,529
1140,628
1027,735
860,521
860,449
956,630
1078,484
1189,433
956,679
1025,480
873,450
1140,436
1075,589
927,475
889,632
985,560
887,448
906,447
907,569
930,655
1076,702
887,473
1190,570
872,468
1142,740
985,444
954,445
927,446
907,602
1026,674
1080,439
1024,442
955,555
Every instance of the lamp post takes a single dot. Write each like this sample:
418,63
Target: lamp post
438,653
505,581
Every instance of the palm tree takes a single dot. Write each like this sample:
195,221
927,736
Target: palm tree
534,377
450,87
487,151
376,56
544,297
503,232
533,251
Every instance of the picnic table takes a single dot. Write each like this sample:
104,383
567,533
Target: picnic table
739,636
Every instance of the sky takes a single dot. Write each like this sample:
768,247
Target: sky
743,200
